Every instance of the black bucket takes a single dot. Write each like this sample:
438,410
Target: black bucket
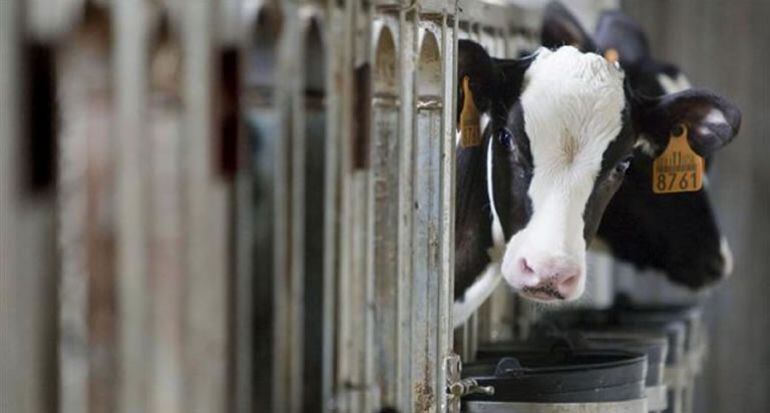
681,372
655,346
561,375
628,313
681,324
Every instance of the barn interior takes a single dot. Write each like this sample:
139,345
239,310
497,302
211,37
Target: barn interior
249,206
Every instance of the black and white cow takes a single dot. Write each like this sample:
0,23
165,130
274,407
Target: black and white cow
559,128
675,233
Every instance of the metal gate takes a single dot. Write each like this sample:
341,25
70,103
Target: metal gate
253,202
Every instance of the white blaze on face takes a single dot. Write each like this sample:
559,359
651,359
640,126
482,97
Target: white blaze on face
572,105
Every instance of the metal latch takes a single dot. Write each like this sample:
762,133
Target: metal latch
457,388
468,386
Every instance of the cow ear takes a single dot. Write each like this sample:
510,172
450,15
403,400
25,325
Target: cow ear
560,27
494,83
616,30
474,63
712,120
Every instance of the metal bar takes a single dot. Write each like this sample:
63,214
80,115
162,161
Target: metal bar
86,222
130,63
447,370
28,302
204,218
165,266
296,288
386,193
403,329
337,80
345,289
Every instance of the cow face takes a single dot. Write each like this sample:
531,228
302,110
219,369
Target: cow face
557,142
675,233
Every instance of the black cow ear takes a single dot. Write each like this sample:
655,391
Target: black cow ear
560,27
616,30
712,120
474,63
495,84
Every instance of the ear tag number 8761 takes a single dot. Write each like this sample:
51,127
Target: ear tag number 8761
678,168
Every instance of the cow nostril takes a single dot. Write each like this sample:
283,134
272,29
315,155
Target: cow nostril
567,285
569,282
525,268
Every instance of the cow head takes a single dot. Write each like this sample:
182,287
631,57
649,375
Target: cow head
557,144
675,233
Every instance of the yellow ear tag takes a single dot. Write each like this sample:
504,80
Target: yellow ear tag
678,168
470,133
611,55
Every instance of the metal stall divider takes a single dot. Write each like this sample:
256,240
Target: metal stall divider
206,199
261,212
335,70
131,60
354,286
448,369
316,200
165,266
27,390
86,224
28,216
386,186
426,271
263,206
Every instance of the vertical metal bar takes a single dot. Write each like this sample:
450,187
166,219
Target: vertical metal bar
86,222
446,201
408,40
350,206
205,220
337,79
28,301
297,212
313,82
73,205
249,334
130,63
14,361
165,266
262,214
426,247
384,203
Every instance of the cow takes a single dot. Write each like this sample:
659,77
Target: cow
678,233
559,129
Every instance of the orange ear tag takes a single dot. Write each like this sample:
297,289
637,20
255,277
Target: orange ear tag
470,133
611,55
678,168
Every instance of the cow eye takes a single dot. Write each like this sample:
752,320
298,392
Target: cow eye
623,165
505,137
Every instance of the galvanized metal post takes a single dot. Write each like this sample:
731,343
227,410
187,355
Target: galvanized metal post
387,141
86,222
132,292
205,219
